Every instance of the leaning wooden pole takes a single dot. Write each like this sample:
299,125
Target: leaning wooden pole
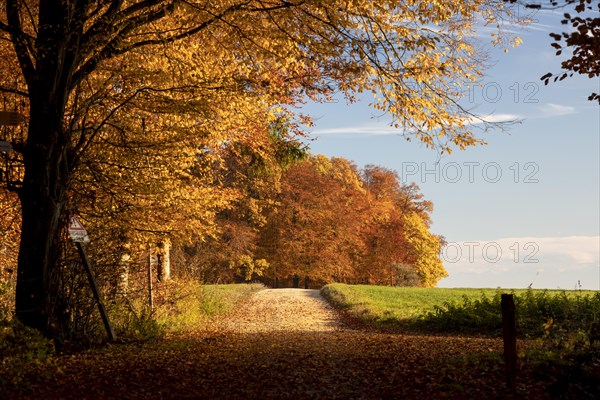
94,285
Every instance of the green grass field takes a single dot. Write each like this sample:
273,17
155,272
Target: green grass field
452,309
562,327
385,305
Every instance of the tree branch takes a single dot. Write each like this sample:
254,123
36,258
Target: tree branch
115,46
4,27
14,91
109,21
185,34
20,41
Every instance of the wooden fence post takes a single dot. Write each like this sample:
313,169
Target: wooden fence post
509,333
149,276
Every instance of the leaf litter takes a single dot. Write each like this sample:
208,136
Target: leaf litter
284,344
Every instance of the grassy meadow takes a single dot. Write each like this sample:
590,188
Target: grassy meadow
460,310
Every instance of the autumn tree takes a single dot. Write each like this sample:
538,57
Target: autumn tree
399,250
252,174
424,250
283,51
336,223
316,230
385,241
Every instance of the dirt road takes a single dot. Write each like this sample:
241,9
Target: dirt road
284,344
284,310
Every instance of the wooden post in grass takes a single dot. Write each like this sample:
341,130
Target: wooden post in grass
149,276
509,333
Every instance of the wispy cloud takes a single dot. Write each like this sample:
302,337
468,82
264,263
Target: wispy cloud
494,118
360,130
521,24
377,129
575,249
537,27
556,110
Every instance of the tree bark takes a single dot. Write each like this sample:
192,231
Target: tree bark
47,167
123,275
163,270
43,199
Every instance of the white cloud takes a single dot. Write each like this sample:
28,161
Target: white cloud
556,110
521,23
494,118
577,249
385,129
558,261
363,130
535,26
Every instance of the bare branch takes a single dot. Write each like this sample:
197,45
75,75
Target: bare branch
20,40
5,89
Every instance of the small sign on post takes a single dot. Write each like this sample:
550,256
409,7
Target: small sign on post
11,118
77,232
79,235
5,146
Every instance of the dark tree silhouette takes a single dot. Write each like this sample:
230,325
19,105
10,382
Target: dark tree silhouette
583,41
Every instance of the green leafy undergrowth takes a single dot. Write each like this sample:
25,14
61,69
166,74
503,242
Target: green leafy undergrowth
204,302
469,311
537,312
19,347
178,307
18,342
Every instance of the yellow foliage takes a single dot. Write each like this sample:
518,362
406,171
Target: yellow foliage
246,267
425,248
158,92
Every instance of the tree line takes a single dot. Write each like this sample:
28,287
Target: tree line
141,116
325,219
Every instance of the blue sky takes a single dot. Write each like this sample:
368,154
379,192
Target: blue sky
525,208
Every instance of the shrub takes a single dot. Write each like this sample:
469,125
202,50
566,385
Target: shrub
471,316
537,312
21,343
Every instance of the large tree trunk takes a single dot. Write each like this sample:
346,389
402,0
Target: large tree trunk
43,199
47,168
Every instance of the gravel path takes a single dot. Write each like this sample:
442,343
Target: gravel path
291,310
282,344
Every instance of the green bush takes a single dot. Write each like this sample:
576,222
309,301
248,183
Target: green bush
18,342
471,316
539,313
19,347
134,323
